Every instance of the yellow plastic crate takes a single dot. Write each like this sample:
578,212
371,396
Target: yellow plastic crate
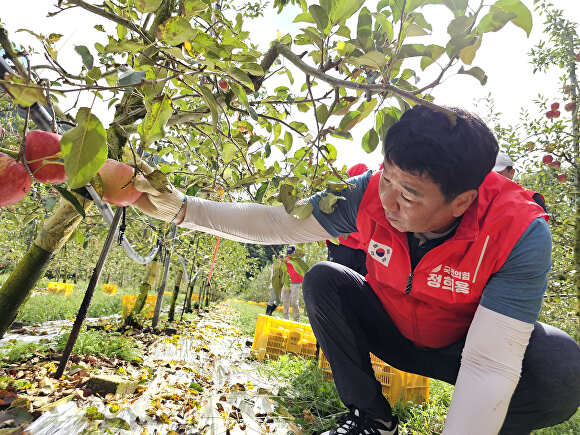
61,288
396,385
148,309
274,337
110,289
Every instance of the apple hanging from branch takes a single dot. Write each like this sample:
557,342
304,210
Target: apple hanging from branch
42,152
15,182
118,188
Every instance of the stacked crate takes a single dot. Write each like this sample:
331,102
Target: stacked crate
274,337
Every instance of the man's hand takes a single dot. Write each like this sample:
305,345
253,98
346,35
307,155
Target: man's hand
167,203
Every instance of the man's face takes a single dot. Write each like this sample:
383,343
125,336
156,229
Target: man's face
415,203
508,172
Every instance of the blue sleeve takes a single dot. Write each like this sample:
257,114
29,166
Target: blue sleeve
343,219
517,289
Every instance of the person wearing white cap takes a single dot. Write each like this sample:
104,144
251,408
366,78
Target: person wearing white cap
504,166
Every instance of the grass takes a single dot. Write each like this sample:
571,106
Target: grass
305,389
97,342
41,307
12,352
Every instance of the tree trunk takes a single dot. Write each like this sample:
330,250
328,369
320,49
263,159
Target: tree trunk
144,288
31,267
175,294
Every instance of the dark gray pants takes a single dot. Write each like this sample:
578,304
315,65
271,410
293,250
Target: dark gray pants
349,322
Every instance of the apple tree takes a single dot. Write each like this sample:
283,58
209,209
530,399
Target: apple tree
192,94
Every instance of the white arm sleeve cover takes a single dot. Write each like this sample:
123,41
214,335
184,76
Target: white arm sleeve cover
491,364
251,223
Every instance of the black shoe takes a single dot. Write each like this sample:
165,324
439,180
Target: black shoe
356,424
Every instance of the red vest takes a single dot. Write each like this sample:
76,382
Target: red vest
434,304
352,241
294,276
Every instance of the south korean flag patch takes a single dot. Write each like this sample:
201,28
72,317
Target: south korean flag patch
379,252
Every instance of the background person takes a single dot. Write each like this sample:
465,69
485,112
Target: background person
460,304
291,294
505,166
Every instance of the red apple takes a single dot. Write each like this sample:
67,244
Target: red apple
549,114
555,164
556,114
2,131
547,159
14,180
578,57
223,85
569,107
42,154
562,178
555,106
118,187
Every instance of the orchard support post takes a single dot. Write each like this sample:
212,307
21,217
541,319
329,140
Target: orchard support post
82,314
175,294
161,289
144,288
32,266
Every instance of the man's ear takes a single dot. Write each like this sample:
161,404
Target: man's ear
462,202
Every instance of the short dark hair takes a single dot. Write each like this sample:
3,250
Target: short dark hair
456,157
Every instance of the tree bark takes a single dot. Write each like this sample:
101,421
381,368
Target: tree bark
55,233
144,288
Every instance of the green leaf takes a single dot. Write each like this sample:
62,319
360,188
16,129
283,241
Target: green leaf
328,203
387,26
25,93
434,53
413,29
261,191
364,29
92,413
211,103
476,72
147,5
374,59
288,139
191,8
175,31
459,42
354,117
305,18
370,140
229,151
468,53
503,11
241,76
385,119
299,126
79,237
88,59
302,211
241,94
84,149
153,126
66,194
460,25
319,15
252,68
341,10
286,198
131,77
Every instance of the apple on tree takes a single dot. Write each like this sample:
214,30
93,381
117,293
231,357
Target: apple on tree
14,180
118,188
569,107
42,156
562,178
547,159
223,85
555,164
